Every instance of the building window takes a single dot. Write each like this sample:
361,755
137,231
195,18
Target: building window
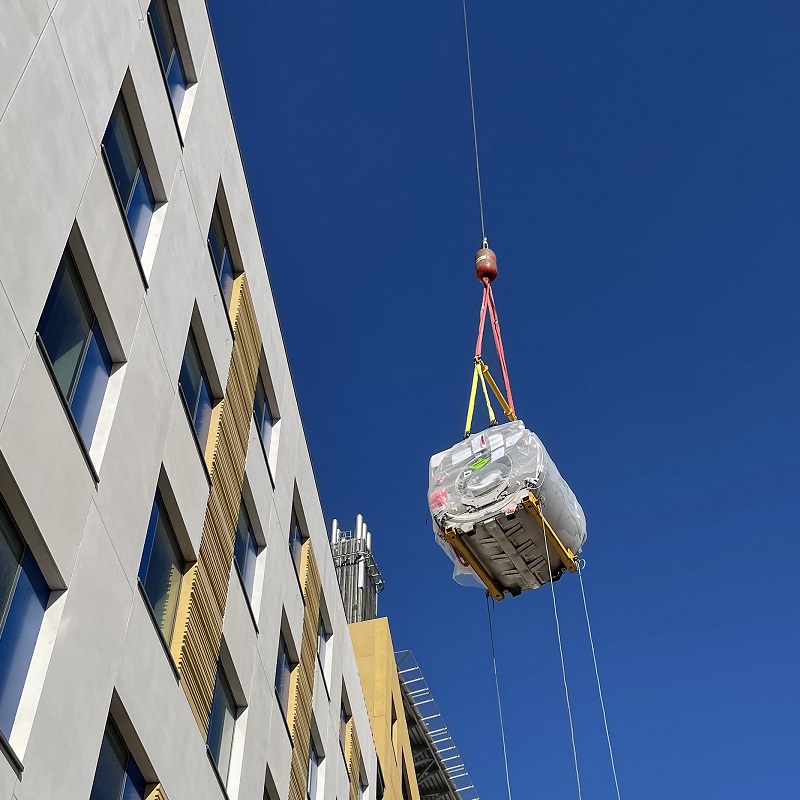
262,413
221,724
117,776
75,347
283,675
296,540
344,718
245,550
322,649
130,176
313,771
196,389
221,255
168,53
23,599
362,789
162,567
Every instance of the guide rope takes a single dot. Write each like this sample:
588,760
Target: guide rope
497,688
474,126
564,673
597,675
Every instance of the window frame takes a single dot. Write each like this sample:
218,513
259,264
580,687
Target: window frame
284,657
152,528
68,270
225,249
296,542
262,381
140,171
117,743
221,682
204,380
313,775
166,69
254,552
39,592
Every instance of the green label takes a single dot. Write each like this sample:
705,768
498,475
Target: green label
479,463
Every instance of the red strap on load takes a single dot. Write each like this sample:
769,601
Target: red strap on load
488,302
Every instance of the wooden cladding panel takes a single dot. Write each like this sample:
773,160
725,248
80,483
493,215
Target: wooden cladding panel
353,760
302,697
155,791
201,631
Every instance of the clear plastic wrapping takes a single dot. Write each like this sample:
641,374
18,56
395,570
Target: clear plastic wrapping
488,474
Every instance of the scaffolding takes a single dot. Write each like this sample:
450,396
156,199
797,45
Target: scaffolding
360,579
441,773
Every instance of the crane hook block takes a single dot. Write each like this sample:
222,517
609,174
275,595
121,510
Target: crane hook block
485,265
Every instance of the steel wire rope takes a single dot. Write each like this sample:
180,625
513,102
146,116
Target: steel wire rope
474,125
497,688
563,668
599,688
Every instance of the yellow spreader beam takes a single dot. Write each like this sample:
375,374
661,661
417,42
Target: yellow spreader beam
460,546
533,506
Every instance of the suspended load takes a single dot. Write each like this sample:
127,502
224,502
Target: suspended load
501,510
497,500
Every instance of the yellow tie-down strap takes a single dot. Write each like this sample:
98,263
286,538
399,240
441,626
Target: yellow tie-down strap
533,506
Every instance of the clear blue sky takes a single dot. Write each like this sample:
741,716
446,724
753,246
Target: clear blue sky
641,168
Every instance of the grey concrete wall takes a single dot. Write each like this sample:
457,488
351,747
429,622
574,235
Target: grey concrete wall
63,64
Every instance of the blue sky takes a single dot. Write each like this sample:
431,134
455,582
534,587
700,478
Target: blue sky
641,168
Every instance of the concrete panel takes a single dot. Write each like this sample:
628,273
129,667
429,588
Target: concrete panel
104,233
156,705
41,451
173,279
209,129
23,23
159,143
216,323
97,37
8,778
41,186
185,473
239,634
132,459
80,678
12,353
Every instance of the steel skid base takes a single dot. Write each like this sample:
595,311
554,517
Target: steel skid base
507,550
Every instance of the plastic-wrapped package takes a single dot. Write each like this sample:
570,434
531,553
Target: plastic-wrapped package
489,474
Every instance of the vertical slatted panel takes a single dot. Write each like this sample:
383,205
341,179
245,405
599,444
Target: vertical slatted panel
301,700
201,631
353,760
155,791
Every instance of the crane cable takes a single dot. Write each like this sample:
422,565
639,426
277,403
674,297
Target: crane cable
497,688
597,675
474,126
563,672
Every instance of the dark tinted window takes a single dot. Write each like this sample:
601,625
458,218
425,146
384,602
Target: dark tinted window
129,173
196,389
75,346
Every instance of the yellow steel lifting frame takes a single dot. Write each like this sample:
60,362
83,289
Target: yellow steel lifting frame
460,546
533,506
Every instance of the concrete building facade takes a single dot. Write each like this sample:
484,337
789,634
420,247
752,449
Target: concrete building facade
170,618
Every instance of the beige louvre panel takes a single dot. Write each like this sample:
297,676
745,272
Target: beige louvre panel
155,791
353,760
301,700
200,633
